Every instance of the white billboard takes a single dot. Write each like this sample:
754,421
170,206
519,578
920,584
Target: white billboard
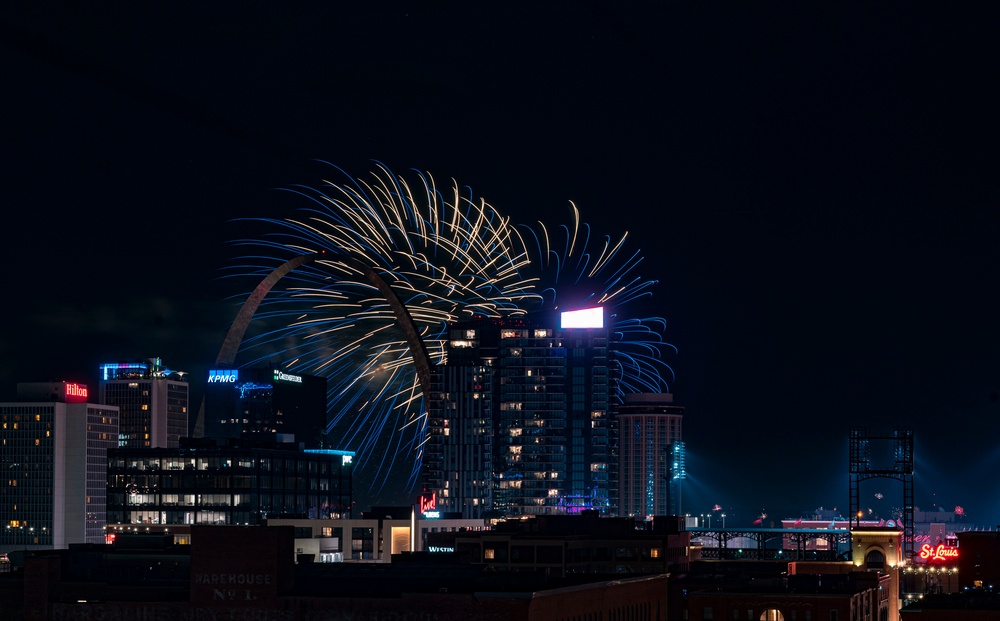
583,318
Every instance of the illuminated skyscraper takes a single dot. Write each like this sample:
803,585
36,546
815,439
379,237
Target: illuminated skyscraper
226,482
265,403
153,401
650,455
53,452
458,455
518,417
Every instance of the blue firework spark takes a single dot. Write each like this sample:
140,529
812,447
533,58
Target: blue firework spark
448,256
574,272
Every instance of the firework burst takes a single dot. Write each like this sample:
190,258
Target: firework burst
447,256
574,272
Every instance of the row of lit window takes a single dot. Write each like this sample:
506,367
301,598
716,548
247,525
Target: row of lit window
14,426
16,418
23,441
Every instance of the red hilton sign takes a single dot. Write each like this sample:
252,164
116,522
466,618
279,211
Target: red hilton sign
939,553
75,392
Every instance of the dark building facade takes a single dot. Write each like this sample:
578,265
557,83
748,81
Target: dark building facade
979,559
251,573
564,545
264,403
518,418
854,596
227,483
971,605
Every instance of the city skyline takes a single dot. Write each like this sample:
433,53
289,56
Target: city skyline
813,188
389,250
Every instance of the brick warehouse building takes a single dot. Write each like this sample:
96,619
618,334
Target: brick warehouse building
236,572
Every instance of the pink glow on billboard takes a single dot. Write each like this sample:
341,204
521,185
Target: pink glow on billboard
583,318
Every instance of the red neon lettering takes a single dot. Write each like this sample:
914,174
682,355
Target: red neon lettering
428,504
76,390
939,553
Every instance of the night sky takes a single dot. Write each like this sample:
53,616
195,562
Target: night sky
814,189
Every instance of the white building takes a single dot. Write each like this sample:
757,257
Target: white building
53,452
370,538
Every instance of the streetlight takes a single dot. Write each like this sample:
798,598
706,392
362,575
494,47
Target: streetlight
723,520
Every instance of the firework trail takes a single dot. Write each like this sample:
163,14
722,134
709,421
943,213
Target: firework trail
448,256
574,274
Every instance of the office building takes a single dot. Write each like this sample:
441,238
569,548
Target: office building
152,399
53,452
265,403
226,482
518,417
649,468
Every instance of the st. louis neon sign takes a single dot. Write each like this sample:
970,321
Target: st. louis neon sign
939,553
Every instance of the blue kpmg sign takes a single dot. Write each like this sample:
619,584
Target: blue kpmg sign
226,376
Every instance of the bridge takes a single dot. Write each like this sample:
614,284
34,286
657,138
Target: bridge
773,544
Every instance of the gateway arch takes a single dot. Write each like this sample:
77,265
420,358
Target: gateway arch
234,338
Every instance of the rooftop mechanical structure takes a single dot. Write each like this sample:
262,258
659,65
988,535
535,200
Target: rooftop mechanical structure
897,465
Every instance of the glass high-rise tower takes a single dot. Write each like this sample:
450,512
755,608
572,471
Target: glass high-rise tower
153,401
518,417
